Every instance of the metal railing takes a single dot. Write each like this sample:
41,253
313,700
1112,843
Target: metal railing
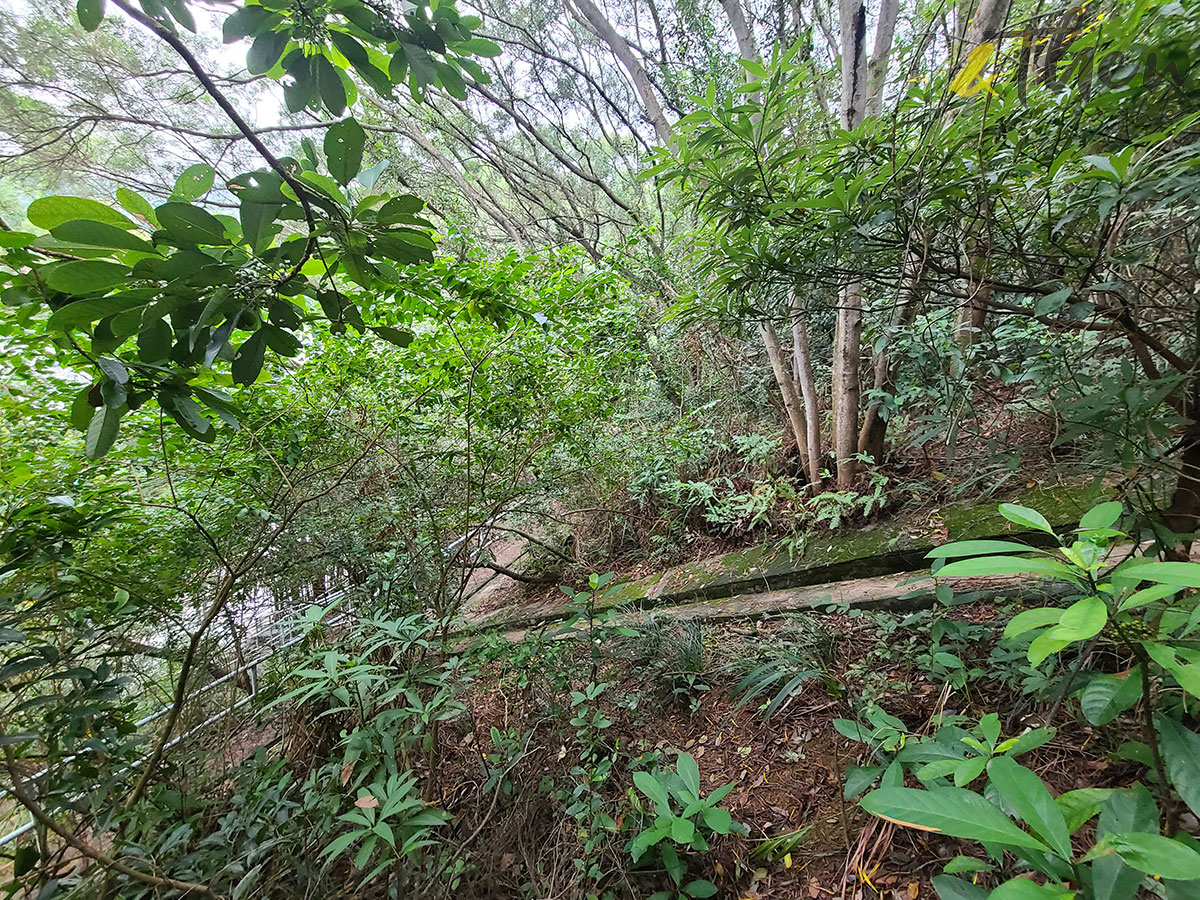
249,668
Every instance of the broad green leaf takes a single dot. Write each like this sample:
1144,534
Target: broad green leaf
10,239
1102,515
700,888
1152,854
1079,806
1081,620
329,86
953,811
976,548
186,412
1182,574
859,778
183,221
1030,619
248,362
50,212
682,831
85,276
649,785
1123,811
344,149
194,182
399,209
114,369
1180,748
91,13
102,432
154,342
950,888
1025,517
136,204
477,46
265,51
397,336
1028,889
1150,595
1026,795
85,312
689,773
1044,645
966,864
1006,565
245,22
1107,696
1023,743
99,234
369,177
719,820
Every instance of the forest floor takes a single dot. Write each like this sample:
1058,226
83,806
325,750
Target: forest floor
788,769
671,685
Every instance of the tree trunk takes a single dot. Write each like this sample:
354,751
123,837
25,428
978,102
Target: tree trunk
847,350
787,388
742,31
972,315
874,429
624,53
847,354
802,365
853,24
885,32
989,19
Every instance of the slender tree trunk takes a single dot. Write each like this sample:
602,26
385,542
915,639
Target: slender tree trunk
972,315
984,26
742,31
847,358
847,349
791,402
874,429
885,32
633,66
802,365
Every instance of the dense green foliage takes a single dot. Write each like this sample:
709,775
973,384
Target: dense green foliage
328,327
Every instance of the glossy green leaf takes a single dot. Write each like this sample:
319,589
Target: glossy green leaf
102,432
954,811
950,888
1025,517
1006,565
1180,748
85,276
344,149
1153,854
1081,620
1028,889
1029,619
976,548
246,22
194,182
248,362
90,13
1107,696
1102,515
264,53
1025,794
99,234
185,222
50,212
